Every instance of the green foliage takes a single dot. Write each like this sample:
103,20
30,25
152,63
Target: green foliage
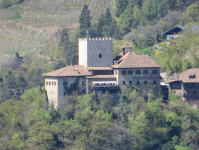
73,87
121,6
84,21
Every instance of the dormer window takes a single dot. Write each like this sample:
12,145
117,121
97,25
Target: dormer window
192,76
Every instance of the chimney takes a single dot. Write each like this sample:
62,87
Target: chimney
92,72
115,62
123,51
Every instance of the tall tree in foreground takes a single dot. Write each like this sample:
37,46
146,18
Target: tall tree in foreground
84,21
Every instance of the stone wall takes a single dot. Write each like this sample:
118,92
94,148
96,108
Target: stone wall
149,78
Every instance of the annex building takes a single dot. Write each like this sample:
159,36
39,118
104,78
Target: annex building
97,71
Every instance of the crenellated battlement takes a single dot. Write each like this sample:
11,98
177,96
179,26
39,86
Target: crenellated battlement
96,39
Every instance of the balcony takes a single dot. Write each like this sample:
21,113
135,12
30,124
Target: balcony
104,85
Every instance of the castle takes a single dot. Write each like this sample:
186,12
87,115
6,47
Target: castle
98,72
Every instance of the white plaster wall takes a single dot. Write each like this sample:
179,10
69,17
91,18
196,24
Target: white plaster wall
82,48
52,91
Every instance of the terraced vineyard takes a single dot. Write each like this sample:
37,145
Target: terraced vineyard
32,27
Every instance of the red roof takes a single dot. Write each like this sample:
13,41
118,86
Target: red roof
77,70
132,60
126,45
185,76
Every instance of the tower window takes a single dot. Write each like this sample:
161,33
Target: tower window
100,55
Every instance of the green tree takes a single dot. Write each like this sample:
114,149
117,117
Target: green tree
84,21
121,6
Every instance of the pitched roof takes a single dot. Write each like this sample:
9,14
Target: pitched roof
102,76
99,68
126,45
77,70
180,28
132,60
191,72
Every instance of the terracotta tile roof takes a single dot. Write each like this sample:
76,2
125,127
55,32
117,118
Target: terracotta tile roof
132,60
126,45
99,68
102,76
77,70
185,75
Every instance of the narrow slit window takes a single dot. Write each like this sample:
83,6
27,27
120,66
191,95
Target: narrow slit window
100,55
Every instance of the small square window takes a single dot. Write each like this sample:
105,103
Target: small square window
138,82
123,82
154,72
100,55
137,72
65,83
124,72
145,82
130,82
130,72
145,71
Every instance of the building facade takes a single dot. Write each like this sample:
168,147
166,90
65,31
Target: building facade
98,71
187,85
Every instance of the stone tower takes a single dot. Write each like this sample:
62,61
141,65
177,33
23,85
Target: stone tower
96,52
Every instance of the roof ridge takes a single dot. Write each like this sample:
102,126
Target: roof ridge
63,70
124,58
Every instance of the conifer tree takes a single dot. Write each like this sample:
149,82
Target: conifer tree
84,21
121,6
